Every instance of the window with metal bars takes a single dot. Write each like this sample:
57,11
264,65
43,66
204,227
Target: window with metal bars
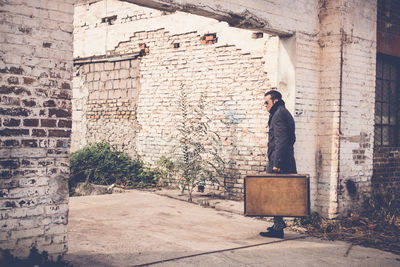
387,93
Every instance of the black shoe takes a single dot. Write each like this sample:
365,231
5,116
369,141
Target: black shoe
272,228
273,233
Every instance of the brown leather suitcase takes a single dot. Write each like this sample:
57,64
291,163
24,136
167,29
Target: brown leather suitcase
285,195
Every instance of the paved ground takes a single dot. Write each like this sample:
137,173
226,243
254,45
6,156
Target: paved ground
143,228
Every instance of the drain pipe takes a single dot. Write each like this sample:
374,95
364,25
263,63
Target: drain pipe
334,210
342,41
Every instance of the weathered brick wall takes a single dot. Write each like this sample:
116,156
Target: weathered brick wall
304,98
233,82
387,159
110,110
347,97
94,21
329,107
154,133
35,124
141,115
334,72
358,100
306,113
79,101
386,167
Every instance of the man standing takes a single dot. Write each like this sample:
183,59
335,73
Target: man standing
281,138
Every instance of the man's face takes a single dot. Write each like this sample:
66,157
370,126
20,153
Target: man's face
268,102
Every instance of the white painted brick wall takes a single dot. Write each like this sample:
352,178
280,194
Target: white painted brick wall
35,109
346,32
318,26
210,69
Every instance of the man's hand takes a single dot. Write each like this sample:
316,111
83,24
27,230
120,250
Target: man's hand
276,169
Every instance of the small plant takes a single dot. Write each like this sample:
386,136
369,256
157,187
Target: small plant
166,171
103,165
197,160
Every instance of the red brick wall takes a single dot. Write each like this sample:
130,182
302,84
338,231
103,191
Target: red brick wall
386,167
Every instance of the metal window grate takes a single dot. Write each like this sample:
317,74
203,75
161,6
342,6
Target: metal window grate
387,93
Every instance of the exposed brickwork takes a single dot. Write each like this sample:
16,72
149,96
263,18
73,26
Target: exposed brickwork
386,167
125,14
356,157
332,96
234,99
386,159
111,109
306,114
111,106
207,39
143,119
34,169
346,100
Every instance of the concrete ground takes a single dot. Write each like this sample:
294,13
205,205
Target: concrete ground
153,229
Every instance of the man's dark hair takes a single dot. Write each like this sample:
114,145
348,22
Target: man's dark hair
274,95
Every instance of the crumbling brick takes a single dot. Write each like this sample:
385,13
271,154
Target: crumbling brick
210,38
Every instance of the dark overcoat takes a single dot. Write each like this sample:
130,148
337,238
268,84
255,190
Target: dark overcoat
281,139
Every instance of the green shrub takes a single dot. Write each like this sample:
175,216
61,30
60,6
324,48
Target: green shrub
166,171
103,165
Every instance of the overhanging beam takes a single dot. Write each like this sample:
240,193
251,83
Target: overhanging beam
242,18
